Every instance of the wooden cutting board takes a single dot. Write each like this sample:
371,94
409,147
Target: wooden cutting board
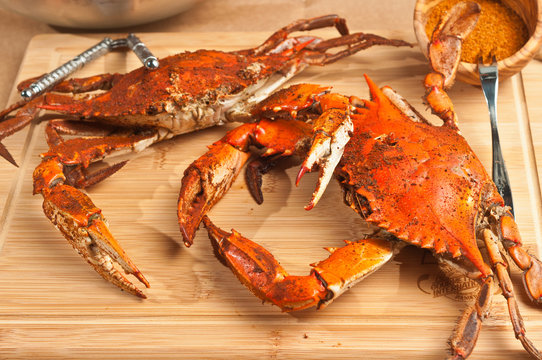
55,306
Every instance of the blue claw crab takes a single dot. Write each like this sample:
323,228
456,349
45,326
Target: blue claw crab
414,182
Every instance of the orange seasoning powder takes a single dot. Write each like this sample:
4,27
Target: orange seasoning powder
499,31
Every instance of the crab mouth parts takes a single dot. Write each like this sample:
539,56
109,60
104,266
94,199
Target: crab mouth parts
358,202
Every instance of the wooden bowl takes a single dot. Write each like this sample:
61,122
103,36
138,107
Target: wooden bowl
531,13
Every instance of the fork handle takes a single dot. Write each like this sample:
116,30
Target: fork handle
499,172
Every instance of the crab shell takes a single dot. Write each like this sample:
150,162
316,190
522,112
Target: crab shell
420,182
184,94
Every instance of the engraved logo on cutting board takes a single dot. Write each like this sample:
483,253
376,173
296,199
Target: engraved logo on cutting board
448,282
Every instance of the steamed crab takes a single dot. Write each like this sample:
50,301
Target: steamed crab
189,91
414,182
192,90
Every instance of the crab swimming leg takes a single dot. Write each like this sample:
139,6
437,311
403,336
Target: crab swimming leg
315,49
531,266
466,333
30,110
508,234
58,177
257,269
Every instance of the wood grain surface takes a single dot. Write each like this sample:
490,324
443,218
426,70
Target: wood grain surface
55,306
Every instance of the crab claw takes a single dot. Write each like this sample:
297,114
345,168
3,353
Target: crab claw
208,178
332,133
83,225
204,182
445,45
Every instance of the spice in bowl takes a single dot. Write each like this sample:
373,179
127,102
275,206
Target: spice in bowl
500,31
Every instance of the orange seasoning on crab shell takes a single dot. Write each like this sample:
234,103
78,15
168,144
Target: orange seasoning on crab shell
499,31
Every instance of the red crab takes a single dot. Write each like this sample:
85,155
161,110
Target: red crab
414,182
192,90
189,91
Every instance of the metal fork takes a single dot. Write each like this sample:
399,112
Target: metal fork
489,78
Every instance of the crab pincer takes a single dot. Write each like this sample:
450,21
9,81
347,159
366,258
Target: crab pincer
332,131
85,228
58,178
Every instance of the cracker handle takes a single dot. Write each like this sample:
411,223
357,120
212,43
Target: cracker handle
143,53
48,80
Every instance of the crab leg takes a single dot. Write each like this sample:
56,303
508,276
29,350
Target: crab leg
75,86
501,270
73,213
531,266
280,43
300,25
468,327
315,48
444,56
30,111
353,42
311,50
466,333
24,116
257,269
58,127
84,151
